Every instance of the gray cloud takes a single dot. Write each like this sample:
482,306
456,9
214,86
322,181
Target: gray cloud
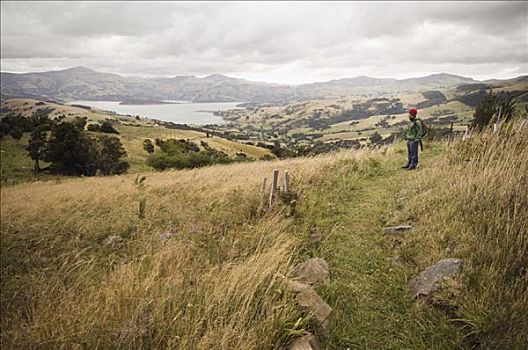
283,42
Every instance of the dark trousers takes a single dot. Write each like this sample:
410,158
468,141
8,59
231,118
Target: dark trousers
412,153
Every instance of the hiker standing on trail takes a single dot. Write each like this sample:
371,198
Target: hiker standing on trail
413,135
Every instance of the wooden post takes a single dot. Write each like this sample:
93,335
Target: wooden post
286,181
262,193
273,190
450,134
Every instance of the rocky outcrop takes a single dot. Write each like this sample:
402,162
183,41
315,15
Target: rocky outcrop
306,342
312,303
312,271
429,280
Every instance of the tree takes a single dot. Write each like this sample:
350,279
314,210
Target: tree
79,122
4,129
16,133
493,108
36,146
94,127
71,151
108,128
41,118
376,138
505,109
148,146
109,158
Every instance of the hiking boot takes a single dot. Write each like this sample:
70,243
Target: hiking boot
405,166
411,168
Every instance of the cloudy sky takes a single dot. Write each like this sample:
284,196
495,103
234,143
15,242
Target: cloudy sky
283,42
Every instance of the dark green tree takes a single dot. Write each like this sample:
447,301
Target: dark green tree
375,138
148,146
94,127
109,158
70,151
16,133
505,108
494,109
79,122
36,146
108,128
41,118
484,111
4,129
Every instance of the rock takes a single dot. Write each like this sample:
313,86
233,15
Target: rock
295,286
164,236
306,342
312,271
311,302
315,237
396,229
428,281
114,242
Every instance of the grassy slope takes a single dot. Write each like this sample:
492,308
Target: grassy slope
368,288
62,287
17,166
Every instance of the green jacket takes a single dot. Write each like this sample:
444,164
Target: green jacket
414,130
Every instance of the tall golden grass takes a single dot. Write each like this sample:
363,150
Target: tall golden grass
474,205
212,284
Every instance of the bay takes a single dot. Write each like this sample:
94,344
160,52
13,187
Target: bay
180,113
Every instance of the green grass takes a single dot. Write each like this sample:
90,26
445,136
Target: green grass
16,165
368,288
214,284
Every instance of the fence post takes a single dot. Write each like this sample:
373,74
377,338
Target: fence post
286,181
273,186
262,193
450,134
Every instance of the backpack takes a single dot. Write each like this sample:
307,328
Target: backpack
425,127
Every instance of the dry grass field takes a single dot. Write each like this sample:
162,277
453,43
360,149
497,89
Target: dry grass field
201,269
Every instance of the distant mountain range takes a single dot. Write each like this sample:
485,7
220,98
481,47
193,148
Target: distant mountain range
80,83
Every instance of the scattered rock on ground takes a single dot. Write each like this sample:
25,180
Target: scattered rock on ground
306,342
428,281
396,229
114,242
295,286
164,236
312,271
311,302
315,237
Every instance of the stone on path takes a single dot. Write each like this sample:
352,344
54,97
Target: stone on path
310,302
429,280
114,242
395,229
312,271
306,342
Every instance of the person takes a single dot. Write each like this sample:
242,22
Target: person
413,135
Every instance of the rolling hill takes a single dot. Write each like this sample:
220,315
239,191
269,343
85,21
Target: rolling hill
80,83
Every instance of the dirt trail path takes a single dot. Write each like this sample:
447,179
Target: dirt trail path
368,291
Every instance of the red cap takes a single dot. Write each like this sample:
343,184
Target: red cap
413,111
